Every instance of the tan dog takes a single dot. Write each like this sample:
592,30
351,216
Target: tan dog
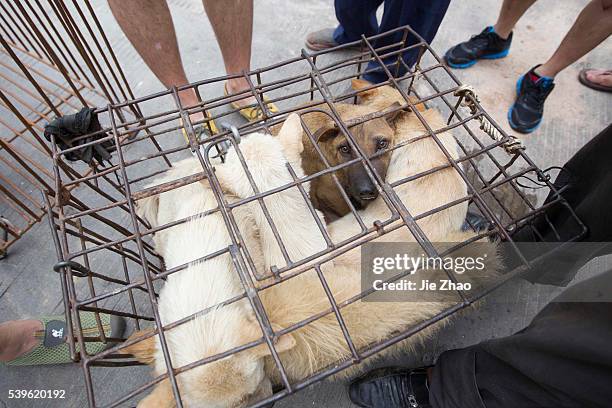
417,155
371,136
321,342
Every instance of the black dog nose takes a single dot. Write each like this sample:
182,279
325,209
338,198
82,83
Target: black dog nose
368,194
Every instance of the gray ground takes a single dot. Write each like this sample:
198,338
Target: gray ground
574,114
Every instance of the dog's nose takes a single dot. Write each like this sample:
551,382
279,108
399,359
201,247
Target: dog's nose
368,194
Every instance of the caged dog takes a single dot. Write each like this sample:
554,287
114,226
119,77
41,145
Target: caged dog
373,137
247,376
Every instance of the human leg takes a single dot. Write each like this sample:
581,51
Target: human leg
510,13
423,17
591,28
232,22
561,359
151,31
355,17
593,25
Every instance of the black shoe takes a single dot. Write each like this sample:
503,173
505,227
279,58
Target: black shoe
531,92
486,45
392,387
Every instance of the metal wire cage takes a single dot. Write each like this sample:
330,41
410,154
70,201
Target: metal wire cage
56,59
108,263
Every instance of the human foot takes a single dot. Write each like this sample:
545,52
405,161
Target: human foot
599,79
17,337
486,45
188,99
236,86
525,115
392,387
248,106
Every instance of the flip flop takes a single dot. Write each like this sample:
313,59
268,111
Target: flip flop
590,84
208,128
252,112
53,348
199,130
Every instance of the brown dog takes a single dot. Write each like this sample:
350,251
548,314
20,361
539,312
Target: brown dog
373,136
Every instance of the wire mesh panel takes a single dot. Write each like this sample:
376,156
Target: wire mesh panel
56,59
240,290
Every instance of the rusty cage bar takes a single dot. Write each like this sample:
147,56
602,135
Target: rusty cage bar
107,259
56,59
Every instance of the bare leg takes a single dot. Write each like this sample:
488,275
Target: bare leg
593,26
511,11
232,21
17,338
151,32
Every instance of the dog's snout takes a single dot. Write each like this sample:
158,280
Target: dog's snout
368,193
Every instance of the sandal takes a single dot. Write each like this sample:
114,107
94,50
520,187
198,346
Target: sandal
53,348
593,85
252,112
207,128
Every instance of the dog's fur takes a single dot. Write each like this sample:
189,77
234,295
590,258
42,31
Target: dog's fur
321,342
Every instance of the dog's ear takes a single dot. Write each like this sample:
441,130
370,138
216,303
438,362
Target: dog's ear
325,133
144,350
147,209
419,106
290,137
393,112
359,85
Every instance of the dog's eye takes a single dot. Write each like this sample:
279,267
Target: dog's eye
344,149
382,144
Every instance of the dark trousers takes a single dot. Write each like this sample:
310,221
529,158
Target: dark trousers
586,184
563,358
357,17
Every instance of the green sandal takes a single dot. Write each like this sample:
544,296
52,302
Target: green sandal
53,348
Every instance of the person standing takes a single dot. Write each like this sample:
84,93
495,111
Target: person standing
358,17
591,28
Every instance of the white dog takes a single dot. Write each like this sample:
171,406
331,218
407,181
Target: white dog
206,283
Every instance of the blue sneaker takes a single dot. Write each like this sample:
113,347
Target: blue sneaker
531,92
486,45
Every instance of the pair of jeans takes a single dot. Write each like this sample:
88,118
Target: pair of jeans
357,17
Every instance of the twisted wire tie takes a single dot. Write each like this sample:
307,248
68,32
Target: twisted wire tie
469,98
